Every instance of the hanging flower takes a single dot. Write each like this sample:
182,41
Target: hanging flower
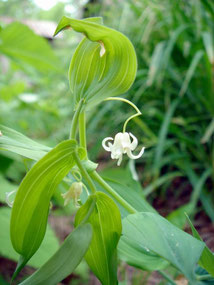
122,144
73,193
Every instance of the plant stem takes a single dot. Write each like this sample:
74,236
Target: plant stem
131,104
84,173
75,120
111,191
82,131
162,273
95,175
204,277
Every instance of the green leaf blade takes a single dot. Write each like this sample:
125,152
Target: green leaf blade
136,256
207,258
16,142
104,64
106,222
156,234
32,202
49,245
65,260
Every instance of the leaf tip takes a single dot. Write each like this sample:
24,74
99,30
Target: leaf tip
61,26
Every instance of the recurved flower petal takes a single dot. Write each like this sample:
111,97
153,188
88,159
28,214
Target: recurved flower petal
132,156
134,142
122,144
107,148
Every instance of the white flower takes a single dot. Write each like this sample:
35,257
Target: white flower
73,193
122,144
8,196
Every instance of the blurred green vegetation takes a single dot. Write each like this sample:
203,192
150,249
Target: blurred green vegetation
174,89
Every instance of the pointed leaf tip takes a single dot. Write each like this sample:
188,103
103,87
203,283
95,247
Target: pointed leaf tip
61,26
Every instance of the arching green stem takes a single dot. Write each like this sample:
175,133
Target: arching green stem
82,130
76,119
131,104
84,173
111,191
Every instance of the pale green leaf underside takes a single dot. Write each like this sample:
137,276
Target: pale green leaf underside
95,77
154,233
139,257
106,223
65,260
18,143
32,202
132,197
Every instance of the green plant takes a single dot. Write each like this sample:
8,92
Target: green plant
174,91
104,64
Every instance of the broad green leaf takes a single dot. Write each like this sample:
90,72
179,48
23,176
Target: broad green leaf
16,142
154,233
32,202
48,246
178,218
207,258
65,260
115,174
133,197
21,44
139,257
130,190
104,64
106,223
